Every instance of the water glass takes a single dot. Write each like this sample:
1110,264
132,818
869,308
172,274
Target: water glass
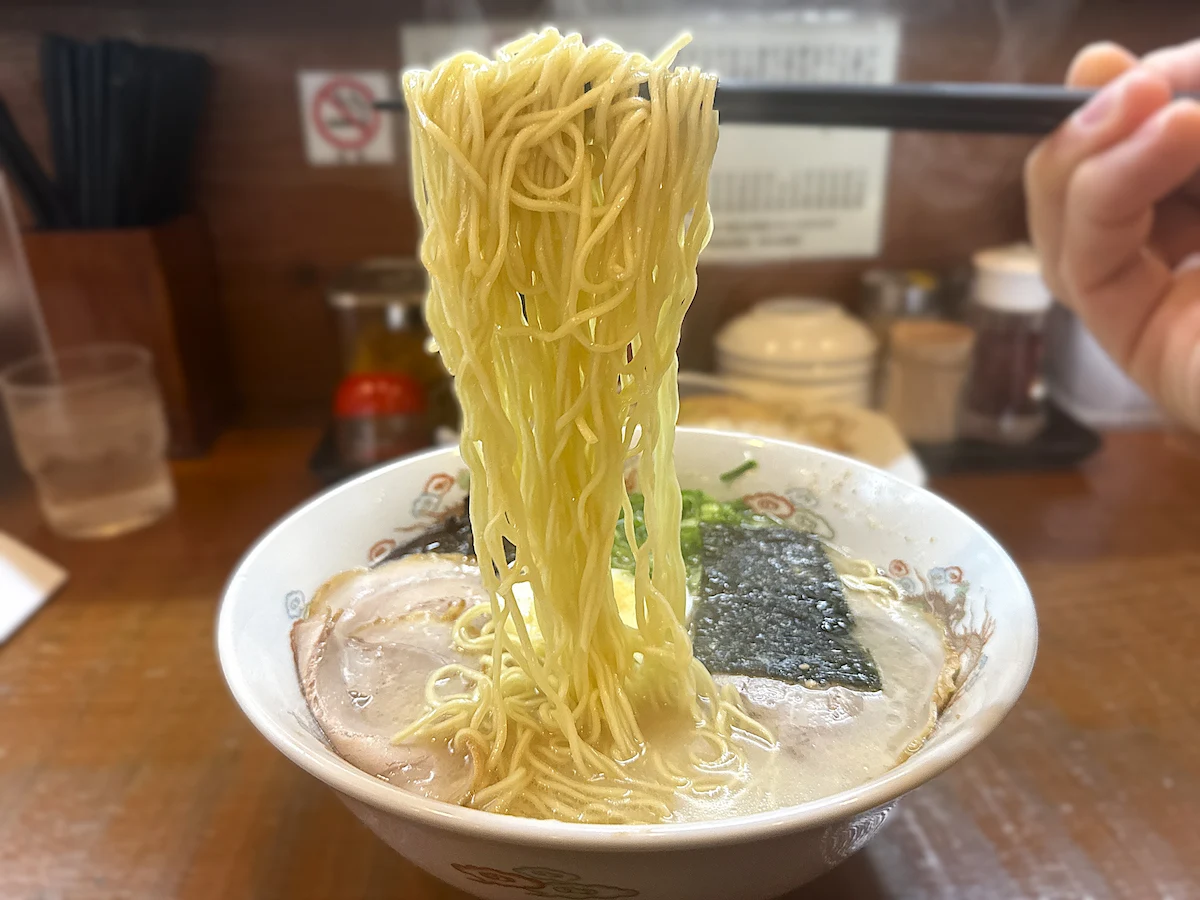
90,429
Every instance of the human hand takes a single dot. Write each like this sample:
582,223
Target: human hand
1114,211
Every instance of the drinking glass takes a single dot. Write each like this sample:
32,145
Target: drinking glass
89,427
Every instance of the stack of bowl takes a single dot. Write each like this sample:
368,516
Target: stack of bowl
803,349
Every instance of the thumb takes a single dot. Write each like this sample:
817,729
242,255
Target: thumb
1119,284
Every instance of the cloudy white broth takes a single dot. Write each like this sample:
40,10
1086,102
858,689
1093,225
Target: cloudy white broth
372,638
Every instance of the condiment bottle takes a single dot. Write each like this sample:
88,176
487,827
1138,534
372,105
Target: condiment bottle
1005,396
889,295
379,416
381,327
892,295
925,375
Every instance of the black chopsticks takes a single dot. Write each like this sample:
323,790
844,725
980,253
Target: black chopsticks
918,106
983,107
124,120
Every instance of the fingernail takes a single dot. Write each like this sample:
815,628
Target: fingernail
1098,110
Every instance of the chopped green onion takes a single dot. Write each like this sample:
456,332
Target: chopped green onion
733,474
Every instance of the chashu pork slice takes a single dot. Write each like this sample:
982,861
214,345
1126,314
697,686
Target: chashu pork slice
365,650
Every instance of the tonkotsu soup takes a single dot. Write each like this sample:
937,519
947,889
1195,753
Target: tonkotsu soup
372,639
576,648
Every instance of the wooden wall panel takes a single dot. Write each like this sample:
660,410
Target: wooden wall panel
280,227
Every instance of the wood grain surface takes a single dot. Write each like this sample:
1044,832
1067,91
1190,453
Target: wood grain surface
126,771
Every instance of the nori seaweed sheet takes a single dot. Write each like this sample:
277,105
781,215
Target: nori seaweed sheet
769,601
697,507
452,535
771,605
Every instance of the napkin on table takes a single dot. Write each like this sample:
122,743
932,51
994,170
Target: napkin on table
27,580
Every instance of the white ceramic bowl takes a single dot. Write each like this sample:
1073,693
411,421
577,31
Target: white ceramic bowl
812,346
797,373
940,557
798,332
851,392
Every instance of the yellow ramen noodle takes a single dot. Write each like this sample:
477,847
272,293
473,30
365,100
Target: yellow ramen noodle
563,193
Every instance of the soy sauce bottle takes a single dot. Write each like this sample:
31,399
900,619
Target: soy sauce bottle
1005,399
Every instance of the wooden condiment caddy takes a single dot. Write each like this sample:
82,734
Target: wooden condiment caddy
156,287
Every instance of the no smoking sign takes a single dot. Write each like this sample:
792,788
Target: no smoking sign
341,124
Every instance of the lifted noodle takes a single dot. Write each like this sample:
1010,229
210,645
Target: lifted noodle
564,211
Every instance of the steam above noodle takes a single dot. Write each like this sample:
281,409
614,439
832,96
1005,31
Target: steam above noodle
564,213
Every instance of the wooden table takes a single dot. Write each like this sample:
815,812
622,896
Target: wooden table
126,771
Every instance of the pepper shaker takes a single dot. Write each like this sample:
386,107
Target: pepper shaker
926,371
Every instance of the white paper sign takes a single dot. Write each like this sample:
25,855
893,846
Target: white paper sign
341,125
777,192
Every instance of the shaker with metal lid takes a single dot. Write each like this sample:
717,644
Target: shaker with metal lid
891,294
895,295
1005,395
926,372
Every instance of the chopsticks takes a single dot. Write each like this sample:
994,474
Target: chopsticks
124,120
917,106
983,107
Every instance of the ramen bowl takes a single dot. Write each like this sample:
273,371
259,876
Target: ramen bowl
939,557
